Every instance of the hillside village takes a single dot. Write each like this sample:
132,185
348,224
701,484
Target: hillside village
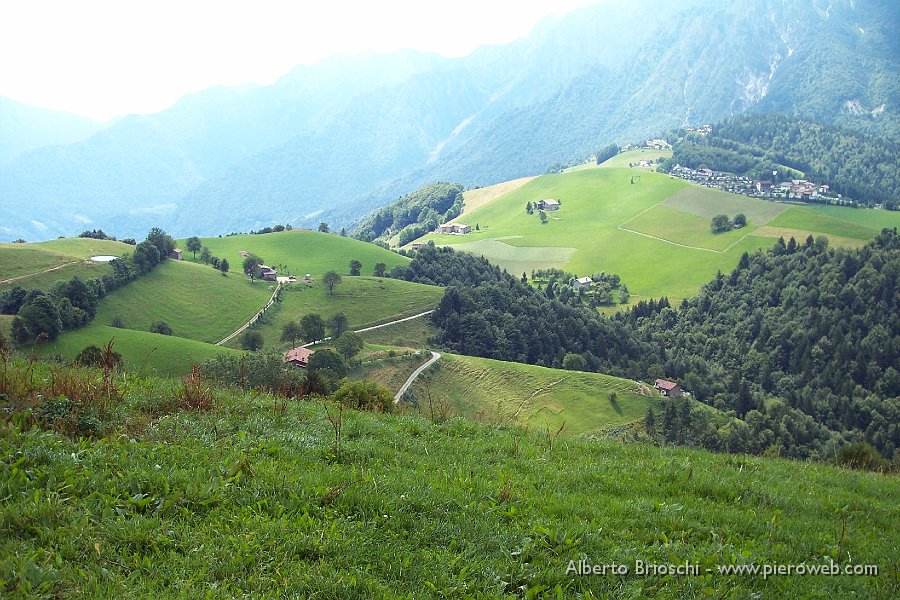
799,190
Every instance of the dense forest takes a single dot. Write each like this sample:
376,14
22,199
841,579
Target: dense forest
798,348
415,214
858,165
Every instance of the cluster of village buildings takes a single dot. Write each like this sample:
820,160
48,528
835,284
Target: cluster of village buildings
795,189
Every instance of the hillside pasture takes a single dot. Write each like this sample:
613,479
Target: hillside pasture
706,203
681,228
607,223
478,197
142,351
621,160
301,252
531,396
867,217
414,333
800,235
366,301
195,300
40,265
518,259
832,224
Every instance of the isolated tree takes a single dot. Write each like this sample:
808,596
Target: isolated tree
329,362
323,227
349,344
720,223
331,279
205,255
193,245
379,269
529,208
250,263
223,266
343,232
542,216
574,362
338,324
740,220
313,327
161,327
252,340
355,267
290,332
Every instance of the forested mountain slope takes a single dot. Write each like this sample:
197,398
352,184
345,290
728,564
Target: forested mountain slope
855,164
798,346
336,140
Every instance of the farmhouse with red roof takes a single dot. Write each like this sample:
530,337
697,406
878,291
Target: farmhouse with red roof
668,388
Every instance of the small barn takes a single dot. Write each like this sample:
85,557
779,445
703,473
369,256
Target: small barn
175,254
547,204
299,357
582,283
268,273
668,388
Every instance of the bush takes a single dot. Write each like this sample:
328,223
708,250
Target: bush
365,395
252,340
161,327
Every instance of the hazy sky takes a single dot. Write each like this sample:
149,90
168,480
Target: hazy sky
103,58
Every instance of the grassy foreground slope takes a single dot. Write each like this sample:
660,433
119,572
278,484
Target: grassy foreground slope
150,353
651,229
531,396
247,500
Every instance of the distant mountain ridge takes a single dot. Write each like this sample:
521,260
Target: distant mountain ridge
339,139
24,128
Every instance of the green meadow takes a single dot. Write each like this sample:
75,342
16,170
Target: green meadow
366,301
300,251
142,351
29,265
253,498
654,233
531,396
409,334
195,300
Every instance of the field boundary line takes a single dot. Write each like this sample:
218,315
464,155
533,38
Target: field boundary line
10,280
255,318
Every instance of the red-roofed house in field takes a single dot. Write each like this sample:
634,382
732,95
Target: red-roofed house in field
299,357
668,388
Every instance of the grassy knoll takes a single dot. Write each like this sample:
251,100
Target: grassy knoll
149,353
39,265
584,236
365,300
247,500
195,300
410,334
531,396
302,251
